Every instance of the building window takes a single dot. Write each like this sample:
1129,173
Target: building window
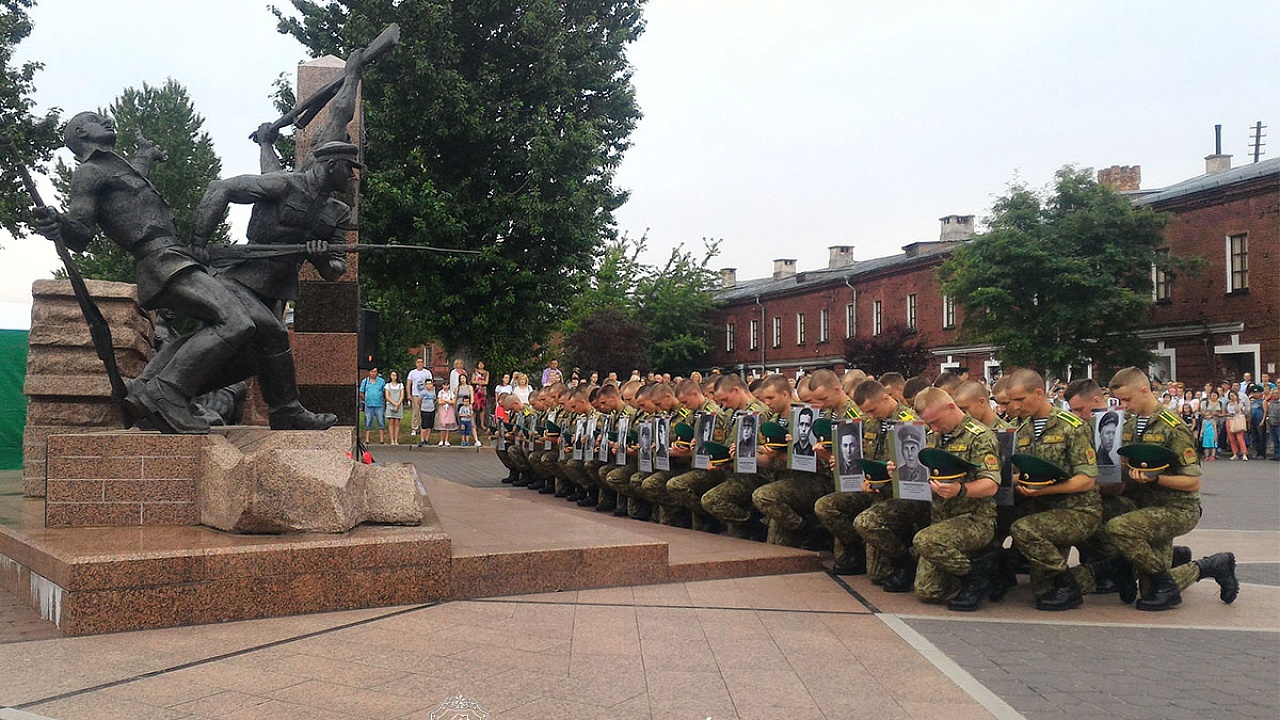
948,312
911,311
777,332
799,328
1161,281
877,317
824,325
755,334
1238,263
850,320
728,337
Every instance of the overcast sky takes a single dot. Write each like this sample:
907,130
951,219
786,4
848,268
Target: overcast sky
781,127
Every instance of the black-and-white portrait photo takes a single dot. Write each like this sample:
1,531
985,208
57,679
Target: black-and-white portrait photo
645,451
912,475
848,451
703,432
746,434
623,428
662,443
802,440
1106,443
579,438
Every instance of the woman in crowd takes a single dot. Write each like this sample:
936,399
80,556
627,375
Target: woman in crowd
1237,423
522,388
480,394
446,414
395,406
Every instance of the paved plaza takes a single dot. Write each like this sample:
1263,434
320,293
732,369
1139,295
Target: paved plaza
804,645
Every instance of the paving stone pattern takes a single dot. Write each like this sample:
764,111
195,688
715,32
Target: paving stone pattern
1081,672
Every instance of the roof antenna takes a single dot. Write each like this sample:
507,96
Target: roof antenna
1257,140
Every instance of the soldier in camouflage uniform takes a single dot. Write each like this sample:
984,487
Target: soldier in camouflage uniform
653,485
730,501
786,499
962,513
1168,504
842,510
828,393
618,477
1057,516
686,489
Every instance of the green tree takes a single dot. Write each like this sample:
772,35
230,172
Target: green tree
1062,277
676,303
497,126
607,339
35,136
164,116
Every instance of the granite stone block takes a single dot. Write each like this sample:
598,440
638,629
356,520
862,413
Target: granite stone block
75,491
148,491
78,411
92,514
84,467
327,307
170,513
326,358
308,273
337,399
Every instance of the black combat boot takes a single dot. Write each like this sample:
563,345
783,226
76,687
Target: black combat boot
1117,570
1006,577
590,498
1163,594
510,478
639,509
606,500
277,381
1065,594
548,486
975,585
522,479
851,559
1222,568
1181,555
903,578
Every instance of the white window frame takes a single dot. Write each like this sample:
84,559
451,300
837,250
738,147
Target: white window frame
777,332
800,329
1230,265
911,310
728,337
851,319
877,317
824,325
948,312
755,334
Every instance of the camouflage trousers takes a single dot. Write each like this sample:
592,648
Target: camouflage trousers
730,502
504,457
1095,547
944,549
1145,538
653,488
787,505
687,488
520,457
889,525
837,511
1045,538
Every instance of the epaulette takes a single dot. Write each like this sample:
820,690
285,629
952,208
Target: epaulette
905,416
973,427
1070,419
1171,419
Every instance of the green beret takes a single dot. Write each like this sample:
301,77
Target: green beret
822,431
683,431
613,436
719,453
943,466
1036,471
1148,457
877,470
775,436
552,428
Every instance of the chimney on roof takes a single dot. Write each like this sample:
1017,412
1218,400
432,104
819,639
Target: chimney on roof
1121,178
784,268
728,277
956,227
1217,162
840,256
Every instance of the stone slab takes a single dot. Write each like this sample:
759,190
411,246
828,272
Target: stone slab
330,346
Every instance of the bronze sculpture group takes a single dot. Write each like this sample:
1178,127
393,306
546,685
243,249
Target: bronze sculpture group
238,296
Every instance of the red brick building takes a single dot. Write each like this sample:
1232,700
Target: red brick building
799,320
1218,324
1225,321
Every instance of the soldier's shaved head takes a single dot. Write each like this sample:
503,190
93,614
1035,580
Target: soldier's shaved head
948,382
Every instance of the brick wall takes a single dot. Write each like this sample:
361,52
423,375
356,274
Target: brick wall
123,478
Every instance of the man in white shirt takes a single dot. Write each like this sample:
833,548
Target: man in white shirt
418,379
456,375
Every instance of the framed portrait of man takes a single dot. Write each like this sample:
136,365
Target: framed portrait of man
1107,440
746,432
645,451
662,443
802,455
848,451
703,432
1006,442
624,428
603,433
579,438
911,481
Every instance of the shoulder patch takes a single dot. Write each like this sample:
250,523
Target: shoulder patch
905,416
1070,419
973,427
1170,419
990,462
1189,457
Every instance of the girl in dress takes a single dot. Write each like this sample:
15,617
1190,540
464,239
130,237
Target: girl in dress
395,406
446,414
480,394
